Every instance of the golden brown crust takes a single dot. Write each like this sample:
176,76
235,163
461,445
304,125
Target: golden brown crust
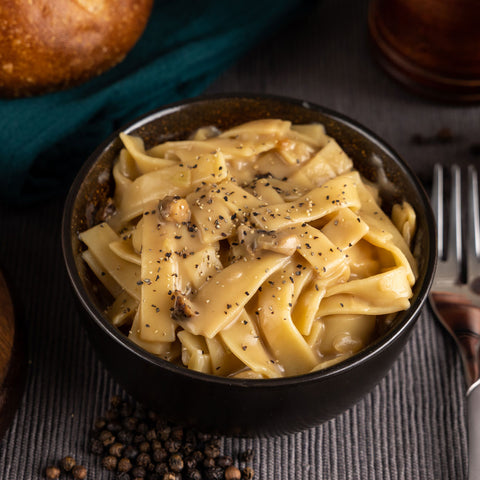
47,46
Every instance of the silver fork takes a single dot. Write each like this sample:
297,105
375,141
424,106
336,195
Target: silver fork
455,294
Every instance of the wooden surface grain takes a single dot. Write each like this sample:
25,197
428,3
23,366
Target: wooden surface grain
7,329
12,359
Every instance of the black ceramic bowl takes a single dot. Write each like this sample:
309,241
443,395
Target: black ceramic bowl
242,406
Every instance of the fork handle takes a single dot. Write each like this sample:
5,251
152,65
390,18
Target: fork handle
473,406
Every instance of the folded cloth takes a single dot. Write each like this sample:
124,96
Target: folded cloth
186,44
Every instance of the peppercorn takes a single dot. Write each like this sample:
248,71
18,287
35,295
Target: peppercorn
116,449
111,414
144,447
138,439
232,473
100,423
122,476
130,423
188,448
190,462
124,465
125,437
159,455
193,474
109,462
142,428
177,433
172,446
161,468
115,401
209,462
176,462
130,452
138,472
96,446
67,463
164,432
144,460
198,455
52,472
169,476
224,461
214,473
247,455
114,427
212,450
151,435
106,438
156,444
79,472
248,473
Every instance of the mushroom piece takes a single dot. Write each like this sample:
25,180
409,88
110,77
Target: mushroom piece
284,242
174,209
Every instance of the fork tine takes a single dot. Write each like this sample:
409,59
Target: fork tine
454,253
473,245
437,205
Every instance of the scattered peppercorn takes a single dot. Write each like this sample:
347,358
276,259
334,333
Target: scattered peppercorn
52,472
138,444
232,473
224,461
124,465
247,455
248,473
144,459
67,463
138,472
79,472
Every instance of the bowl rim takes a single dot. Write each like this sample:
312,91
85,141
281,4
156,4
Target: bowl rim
368,353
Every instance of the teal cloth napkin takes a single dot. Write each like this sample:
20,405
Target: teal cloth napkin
187,43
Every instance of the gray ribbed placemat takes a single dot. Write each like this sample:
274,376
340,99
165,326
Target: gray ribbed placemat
411,426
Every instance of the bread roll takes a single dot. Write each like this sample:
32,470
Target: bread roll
48,45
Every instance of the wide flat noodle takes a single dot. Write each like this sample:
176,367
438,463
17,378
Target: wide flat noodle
159,282
327,163
376,295
243,339
220,300
126,274
256,252
337,193
274,317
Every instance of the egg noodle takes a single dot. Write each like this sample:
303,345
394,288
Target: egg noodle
257,252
